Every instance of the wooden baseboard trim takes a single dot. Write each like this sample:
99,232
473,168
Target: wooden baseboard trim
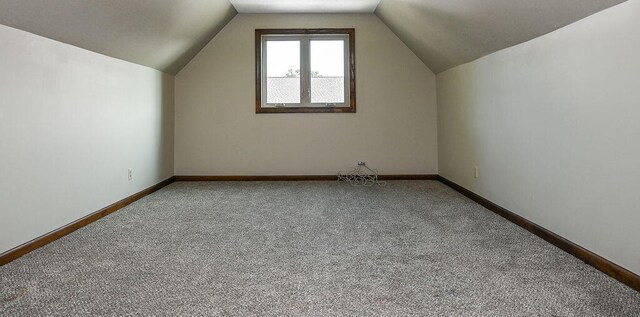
409,177
56,234
619,273
253,178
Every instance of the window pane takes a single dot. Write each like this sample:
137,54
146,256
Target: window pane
327,71
283,71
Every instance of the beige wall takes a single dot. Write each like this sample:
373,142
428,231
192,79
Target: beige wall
71,123
219,133
554,127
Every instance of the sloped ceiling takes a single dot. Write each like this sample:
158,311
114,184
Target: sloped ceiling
305,6
162,34
447,33
167,34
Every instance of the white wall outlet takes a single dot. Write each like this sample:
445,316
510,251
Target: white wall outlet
475,172
130,174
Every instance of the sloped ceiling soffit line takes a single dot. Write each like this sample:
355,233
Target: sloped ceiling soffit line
167,34
445,34
161,34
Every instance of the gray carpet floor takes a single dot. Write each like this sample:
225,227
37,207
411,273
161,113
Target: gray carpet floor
411,248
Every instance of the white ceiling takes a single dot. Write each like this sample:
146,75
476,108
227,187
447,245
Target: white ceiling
305,6
167,34
447,33
162,34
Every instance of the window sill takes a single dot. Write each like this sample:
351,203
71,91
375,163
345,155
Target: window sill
260,109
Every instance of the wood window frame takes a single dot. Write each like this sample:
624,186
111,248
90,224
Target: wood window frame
351,64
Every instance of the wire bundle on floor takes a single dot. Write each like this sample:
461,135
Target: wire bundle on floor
362,175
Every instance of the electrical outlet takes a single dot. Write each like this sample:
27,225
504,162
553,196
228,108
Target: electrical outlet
475,172
130,174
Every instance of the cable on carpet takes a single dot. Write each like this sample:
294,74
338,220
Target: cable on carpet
361,175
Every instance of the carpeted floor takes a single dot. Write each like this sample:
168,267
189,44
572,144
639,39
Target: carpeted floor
306,249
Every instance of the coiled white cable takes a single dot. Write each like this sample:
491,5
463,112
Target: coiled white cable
362,175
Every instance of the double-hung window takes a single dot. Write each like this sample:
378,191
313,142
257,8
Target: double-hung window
305,70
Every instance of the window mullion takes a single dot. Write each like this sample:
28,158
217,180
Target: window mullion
305,72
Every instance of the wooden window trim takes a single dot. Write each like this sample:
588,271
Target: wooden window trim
351,66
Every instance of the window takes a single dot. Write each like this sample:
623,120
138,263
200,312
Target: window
305,70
